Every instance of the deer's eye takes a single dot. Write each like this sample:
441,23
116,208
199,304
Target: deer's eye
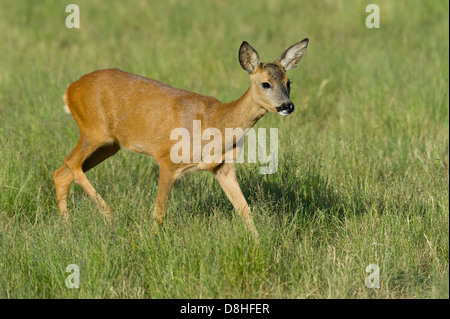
266,85
289,85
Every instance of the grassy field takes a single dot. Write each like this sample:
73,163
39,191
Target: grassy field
363,164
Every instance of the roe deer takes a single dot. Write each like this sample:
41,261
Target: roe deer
115,109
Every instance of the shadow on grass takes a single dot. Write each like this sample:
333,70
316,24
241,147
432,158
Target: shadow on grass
288,191
284,192
302,189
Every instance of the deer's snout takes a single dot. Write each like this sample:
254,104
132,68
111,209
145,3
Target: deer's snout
285,109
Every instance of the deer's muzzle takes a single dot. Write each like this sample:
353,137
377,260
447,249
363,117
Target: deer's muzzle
285,109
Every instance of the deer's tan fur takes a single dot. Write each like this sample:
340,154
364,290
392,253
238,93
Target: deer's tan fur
115,109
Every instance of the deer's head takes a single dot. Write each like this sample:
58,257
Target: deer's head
270,85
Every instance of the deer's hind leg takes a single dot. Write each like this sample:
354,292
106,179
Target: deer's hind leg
86,154
63,178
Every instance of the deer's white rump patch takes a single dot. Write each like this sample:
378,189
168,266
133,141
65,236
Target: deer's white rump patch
66,109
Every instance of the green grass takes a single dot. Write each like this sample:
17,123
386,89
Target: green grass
363,166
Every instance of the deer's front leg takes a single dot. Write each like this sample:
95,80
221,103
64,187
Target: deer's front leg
166,181
226,175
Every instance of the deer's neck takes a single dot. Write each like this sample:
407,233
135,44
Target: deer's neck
243,112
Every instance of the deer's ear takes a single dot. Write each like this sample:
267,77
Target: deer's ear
248,57
293,55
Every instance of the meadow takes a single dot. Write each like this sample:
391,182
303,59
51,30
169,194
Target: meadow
363,161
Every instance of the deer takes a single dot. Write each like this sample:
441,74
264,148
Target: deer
114,109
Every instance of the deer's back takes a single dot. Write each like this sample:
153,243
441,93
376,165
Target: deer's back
136,111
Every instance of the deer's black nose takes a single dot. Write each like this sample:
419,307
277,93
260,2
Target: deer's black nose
285,108
290,107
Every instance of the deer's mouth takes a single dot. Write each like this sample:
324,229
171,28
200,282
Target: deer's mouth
285,109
